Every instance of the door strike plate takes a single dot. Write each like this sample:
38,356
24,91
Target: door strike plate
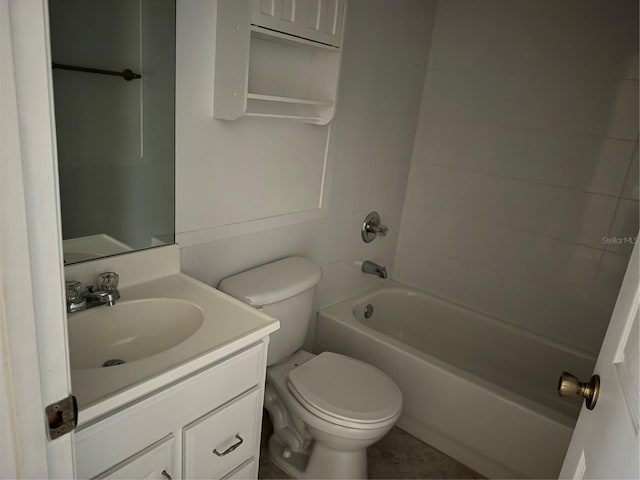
62,416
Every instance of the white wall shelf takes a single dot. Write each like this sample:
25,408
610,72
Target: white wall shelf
264,72
278,115
275,98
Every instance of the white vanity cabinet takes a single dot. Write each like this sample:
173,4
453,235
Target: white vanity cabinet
206,425
278,58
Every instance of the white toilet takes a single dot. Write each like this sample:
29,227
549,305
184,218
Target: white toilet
325,409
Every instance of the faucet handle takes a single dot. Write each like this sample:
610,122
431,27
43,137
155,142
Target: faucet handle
73,291
108,281
372,227
379,229
76,299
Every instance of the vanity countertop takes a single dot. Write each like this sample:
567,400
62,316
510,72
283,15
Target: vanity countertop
228,326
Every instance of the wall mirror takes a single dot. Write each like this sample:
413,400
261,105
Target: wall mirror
114,93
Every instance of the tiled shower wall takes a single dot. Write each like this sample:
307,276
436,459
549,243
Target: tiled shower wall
525,163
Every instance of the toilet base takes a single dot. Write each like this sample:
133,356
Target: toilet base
323,462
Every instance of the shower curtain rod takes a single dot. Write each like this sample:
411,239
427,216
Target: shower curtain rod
127,74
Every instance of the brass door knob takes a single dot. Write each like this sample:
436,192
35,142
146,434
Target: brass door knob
568,385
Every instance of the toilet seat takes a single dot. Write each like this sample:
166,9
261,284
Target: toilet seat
345,391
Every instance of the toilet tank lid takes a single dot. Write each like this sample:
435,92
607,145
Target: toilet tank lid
273,282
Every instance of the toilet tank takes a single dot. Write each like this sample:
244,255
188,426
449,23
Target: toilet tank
284,290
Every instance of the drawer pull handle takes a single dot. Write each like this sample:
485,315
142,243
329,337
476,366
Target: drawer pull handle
231,448
166,475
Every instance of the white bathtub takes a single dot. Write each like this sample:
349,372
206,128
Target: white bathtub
476,388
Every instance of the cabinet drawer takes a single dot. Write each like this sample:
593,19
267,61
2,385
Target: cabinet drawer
222,440
244,472
155,461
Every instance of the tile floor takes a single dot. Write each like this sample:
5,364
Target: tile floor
396,455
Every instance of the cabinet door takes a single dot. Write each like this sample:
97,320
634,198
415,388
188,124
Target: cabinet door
154,462
318,20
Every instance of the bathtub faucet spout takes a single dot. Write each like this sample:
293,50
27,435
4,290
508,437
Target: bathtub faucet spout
374,269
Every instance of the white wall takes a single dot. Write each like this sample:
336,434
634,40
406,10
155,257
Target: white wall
384,60
525,157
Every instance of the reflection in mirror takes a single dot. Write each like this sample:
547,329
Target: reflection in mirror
115,131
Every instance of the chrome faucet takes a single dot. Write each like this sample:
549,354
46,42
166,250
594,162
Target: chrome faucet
108,293
374,269
101,297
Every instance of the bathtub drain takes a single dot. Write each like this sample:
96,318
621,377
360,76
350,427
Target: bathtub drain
112,362
368,311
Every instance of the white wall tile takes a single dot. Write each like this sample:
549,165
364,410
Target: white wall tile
438,142
528,125
601,166
211,234
452,279
591,106
243,228
623,116
504,201
601,107
577,323
579,162
587,218
433,230
328,171
341,280
538,308
472,97
383,50
610,275
630,190
185,239
522,303
547,261
535,37
624,228
519,254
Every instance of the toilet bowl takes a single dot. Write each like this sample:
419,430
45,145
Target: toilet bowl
326,409
302,398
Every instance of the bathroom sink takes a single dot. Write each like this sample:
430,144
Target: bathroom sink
130,331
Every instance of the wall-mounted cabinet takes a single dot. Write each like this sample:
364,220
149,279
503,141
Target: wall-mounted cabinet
316,20
278,58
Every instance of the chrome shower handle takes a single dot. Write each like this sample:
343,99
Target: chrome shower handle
378,229
371,227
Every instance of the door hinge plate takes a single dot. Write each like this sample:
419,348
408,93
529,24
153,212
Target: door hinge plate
62,416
